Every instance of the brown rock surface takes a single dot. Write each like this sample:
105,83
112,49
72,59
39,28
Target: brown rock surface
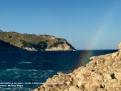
102,73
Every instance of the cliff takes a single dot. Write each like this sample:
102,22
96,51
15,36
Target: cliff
102,73
33,42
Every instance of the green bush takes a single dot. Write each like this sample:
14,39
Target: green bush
42,45
27,44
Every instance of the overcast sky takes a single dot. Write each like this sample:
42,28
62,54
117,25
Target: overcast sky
86,24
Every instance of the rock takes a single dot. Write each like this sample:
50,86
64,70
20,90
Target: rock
30,49
73,88
102,73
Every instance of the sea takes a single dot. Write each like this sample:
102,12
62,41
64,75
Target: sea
25,71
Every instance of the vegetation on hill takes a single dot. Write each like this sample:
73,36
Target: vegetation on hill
38,42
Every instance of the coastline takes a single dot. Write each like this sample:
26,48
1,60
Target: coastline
102,73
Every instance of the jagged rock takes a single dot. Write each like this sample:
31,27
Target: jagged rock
102,73
73,88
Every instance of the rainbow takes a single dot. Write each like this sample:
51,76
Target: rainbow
102,28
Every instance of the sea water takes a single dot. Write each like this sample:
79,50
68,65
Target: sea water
24,71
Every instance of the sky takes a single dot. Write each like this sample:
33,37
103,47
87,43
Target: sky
86,24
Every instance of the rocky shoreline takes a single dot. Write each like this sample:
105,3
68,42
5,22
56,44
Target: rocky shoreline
102,73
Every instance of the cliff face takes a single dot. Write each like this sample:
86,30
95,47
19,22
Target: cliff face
36,42
102,73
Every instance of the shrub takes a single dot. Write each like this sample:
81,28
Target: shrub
42,45
27,44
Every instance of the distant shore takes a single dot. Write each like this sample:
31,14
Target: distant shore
32,42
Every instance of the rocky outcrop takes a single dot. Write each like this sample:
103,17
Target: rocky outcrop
102,73
64,46
36,42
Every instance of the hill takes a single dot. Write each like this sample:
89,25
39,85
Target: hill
33,42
